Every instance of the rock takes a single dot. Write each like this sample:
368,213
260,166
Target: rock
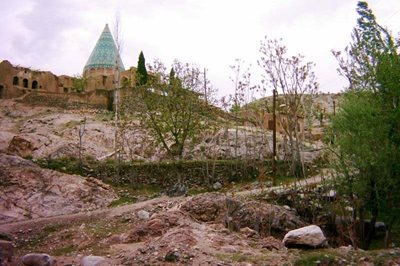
217,186
37,259
29,191
179,189
309,236
20,146
6,252
210,207
94,261
143,215
264,218
172,256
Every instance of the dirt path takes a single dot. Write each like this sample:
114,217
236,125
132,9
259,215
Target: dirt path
13,227
323,175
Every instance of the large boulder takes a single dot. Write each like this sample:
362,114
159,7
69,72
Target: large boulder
37,259
28,191
309,236
266,219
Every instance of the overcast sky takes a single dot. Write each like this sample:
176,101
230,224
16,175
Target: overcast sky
59,35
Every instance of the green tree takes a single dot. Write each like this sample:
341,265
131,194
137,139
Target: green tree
141,71
79,83
367,129
171,108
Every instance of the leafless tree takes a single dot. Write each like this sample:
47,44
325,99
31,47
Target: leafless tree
293,79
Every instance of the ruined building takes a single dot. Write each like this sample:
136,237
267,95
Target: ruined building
103,72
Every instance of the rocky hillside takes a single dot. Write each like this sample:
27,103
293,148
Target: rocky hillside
49,132
28,191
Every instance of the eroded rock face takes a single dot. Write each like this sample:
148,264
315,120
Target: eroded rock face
28,191
265,219
309,236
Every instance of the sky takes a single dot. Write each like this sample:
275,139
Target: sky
59,35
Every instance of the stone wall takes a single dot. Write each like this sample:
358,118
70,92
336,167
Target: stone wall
96,99
167,174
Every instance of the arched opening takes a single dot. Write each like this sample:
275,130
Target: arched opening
1,91
34,84
65,90
16,81
125,82
25,83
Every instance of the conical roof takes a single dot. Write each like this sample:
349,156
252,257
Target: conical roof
105,53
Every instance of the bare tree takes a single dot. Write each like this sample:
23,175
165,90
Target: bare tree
81,132
293,79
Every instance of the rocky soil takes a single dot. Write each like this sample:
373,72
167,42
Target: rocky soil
209,229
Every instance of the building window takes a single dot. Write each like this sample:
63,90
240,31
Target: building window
25,83
65,90
34,84
104,80
16,81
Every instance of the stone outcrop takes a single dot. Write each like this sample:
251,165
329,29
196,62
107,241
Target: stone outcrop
265,219
28,191
309,236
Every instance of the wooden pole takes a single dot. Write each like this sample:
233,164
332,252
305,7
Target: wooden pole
274,138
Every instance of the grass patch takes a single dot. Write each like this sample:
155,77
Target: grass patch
122,201
316,259
64,250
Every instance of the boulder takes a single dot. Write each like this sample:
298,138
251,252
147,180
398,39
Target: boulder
6,252
309,236
210,207
266,219
143,215
37,259
217,186
94,261
178,190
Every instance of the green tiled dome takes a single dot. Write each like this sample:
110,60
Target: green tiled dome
105,53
